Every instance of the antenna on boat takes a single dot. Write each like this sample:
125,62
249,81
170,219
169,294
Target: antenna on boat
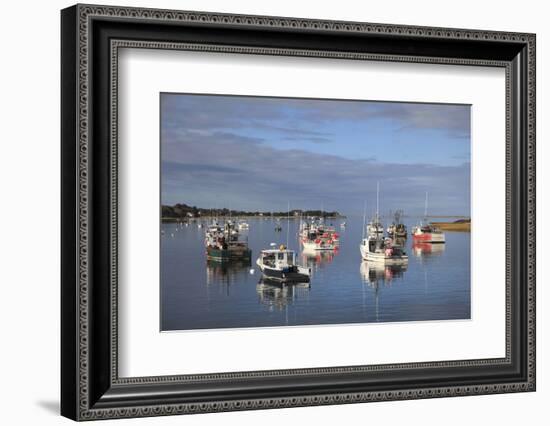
364,219
287,223
426,207
300,225
377,200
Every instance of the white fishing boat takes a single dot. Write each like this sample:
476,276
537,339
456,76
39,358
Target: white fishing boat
381,250
243,226
280,265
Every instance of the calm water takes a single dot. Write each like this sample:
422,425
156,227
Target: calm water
196,294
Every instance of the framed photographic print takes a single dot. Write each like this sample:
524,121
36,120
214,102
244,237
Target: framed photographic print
263,212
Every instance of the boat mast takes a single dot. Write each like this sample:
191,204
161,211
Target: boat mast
426,207
364,219
287,223
377,201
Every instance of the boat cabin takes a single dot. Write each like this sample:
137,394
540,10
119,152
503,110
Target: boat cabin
278,258
428,229
379,245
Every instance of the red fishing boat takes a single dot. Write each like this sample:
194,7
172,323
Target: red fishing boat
426,233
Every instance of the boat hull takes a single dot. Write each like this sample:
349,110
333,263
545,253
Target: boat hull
429,237
228,255
314,246
382,258
284,276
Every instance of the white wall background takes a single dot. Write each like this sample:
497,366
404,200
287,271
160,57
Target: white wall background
29,211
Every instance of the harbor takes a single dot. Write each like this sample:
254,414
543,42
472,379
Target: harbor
255,271
285,211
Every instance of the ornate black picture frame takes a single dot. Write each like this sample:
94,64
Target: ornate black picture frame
91,36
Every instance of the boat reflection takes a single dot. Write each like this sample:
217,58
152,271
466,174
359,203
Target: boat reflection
225,273
375,274
277,295
317,258
425,250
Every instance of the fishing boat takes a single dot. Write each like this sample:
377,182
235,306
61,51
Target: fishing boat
397,229
319,244
225,244
315,236
280,265
382,250
428,234
243,226
318,236
425,232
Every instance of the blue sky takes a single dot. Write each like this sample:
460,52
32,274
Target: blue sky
257,153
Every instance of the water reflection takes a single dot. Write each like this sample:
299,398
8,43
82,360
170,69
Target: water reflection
278,296
200,295
224,273
375,274
317,258
426,250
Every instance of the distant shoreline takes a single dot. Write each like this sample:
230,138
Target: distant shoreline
463,225
181,211
209,218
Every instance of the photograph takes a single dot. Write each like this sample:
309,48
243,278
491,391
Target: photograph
281,211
